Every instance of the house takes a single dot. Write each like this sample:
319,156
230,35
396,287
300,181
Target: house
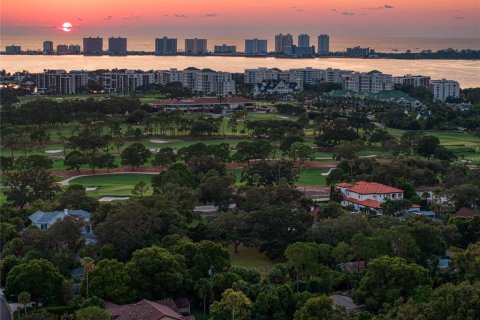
466,213
369,196
44,220
146,310
346,303
272,87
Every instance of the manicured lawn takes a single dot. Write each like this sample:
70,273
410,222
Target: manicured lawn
312,177
113,184
251,258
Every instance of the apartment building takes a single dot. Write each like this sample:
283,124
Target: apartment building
117,46
442,89
225,49
323,44
335,75
282,41
166,46
358,52
126,81
47,47
60,82
301,75
256,47
207,81
92,46
371,82
196,46
167,76
416,81
13,49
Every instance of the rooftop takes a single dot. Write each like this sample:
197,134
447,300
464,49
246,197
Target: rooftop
363,187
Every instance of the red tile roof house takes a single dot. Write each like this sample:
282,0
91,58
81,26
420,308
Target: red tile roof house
369,195
146,310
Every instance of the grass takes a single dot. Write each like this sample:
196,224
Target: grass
113,184
312,177
251,258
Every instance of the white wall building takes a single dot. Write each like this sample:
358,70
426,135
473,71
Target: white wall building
126,81
60,82
367,82
442,89
416,81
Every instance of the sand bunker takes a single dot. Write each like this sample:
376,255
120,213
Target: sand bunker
91,188
159,141
108,199
54,151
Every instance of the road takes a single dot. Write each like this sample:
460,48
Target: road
4,311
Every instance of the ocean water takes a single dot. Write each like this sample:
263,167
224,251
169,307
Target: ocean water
466,72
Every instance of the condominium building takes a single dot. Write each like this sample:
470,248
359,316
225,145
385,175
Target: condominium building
225,49
259,75
13,49
47,47
304,40
60,81
282,41
92,46
323,44
415,81
358,52
306,75
196,46
74,49
442,89
256,47
371,82
207,81
126,81
166,46
117,46
335,75
167,76
297,51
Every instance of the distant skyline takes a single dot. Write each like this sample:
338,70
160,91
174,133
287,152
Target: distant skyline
232,19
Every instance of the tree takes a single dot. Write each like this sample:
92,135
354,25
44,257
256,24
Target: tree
318,308
92,313
303,257
427,145
204,290
388,279
38,277
156,273
140,189
135,155
74,160
465,195
265,173
88,266
164,157
106,160
109,280
348,149
24,298
234,305
301,151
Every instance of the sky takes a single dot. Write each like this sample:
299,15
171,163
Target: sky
235,18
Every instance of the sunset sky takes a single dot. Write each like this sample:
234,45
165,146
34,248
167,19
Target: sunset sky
228,18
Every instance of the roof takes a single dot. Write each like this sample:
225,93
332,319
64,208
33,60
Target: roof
273,84
467,212
345,302
202,101
344,185
40,217
143,310
354,266
366,203
363,187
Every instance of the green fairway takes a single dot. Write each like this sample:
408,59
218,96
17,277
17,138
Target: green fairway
113,184
306,177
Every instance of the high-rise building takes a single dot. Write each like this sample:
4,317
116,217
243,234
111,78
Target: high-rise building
92,45
323,44
47,47
283,41
126,81
62,49
226,49
74,49
256,47
60,81
358,52
13,49
117,46
196,46
371,82
415,81
442,89
166,46
304,40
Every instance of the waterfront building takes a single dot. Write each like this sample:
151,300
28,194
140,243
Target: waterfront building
74,49
47,47
117,46
92,46
62,49
358,52
307,75
258,75
225,49
300,52
256,47
167,76
415,81
207,81
371,82
442,89
196,46
323,44
283,41
13,49
304,40
166,46
126,81
60,82
335,75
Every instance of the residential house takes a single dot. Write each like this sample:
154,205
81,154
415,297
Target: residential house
146,310
276,87
466,213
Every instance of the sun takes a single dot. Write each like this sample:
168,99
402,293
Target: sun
67,26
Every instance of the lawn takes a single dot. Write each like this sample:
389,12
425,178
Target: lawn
251,258
113,184
307,177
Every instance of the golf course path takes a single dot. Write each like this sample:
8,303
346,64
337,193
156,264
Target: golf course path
66,182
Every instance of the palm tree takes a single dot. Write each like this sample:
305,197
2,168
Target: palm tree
24,298
88,265
204,290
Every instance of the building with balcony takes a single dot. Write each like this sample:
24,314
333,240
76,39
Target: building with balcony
60,82
166,46
282,41
371,82
117,46
126,81
48,47
92,46
196,46
323,44
256,47
442,89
